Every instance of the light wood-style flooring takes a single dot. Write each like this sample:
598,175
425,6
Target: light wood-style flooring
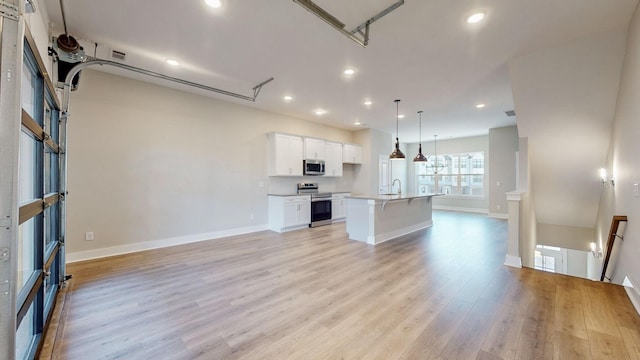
440,293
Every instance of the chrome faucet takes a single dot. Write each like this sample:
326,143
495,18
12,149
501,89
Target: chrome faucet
399,185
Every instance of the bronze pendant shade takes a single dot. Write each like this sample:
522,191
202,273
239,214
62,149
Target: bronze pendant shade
397,153
420,157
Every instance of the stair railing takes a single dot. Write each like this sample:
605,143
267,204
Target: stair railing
613,234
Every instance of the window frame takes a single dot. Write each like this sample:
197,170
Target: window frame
453,168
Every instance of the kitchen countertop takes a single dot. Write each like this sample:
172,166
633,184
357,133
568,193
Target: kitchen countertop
286,194
390,197
295,194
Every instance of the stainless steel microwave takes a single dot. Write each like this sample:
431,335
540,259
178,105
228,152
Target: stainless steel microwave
313,167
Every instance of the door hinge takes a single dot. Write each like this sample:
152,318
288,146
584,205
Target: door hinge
4,255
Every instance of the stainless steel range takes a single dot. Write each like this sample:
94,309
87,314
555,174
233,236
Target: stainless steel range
320,204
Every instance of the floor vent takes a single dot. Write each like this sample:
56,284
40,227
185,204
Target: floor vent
510,113
118,55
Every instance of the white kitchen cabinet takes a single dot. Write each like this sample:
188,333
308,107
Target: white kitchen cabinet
338,206
333,159
351,154
289,212
314,149
285,155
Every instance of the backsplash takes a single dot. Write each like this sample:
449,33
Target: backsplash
287,184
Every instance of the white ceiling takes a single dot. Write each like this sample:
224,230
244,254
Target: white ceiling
423,53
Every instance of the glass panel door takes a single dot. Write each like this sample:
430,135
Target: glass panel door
39,197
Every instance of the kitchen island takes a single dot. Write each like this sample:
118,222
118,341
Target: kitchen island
377,218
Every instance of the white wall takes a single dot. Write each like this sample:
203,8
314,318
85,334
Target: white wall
374,143
503,148
577,262
565,99
623,164
569,237
148,163
38,25
528,230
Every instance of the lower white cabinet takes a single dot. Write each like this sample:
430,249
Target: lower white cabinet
289,212
338,206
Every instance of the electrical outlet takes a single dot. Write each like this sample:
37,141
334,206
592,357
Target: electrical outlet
636,190
251,217
88,236
498,207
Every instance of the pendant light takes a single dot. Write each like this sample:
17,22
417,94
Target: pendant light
420,157
397,154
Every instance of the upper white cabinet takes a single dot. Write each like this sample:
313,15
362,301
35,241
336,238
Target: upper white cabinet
333,159
351,154
285,155
314,149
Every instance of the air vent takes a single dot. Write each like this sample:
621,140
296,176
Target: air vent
510,113
118,55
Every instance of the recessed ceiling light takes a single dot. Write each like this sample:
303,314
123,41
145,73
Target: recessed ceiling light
320,112
173,62
349,72
357,123
476,17
213,3
368,102
287,98
480,106
400,116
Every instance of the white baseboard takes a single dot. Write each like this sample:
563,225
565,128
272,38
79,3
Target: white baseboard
499,216
460,209
633,292
513,261
156,244
379,238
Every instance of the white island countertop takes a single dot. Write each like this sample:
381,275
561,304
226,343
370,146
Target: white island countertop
388,197
377,218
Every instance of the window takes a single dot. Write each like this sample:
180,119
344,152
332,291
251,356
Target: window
30,149
548,258
26,335
27,261
545,262
452,174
